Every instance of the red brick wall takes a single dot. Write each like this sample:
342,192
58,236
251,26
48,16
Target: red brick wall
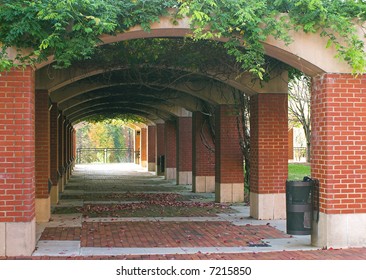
42,136
203,158
291,144
54,143
61,144
160,139
269,143
184,144
339,142
228,155
17,160
151,143
143,144
170,144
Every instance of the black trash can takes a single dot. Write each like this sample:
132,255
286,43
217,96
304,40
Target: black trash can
299,207
162,164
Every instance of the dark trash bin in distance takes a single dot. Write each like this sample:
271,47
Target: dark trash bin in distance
299,206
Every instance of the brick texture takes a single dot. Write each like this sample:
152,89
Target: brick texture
269,143
17,142
151,144
54,144
42,147
184,144
339,142
203,158
228,155
170,144
61,144
143,144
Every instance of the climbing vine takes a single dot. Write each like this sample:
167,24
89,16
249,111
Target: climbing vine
69,30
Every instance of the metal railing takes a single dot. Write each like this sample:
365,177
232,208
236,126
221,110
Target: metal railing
106,155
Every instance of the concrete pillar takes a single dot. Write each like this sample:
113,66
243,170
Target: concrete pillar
144,147
229,176
170,150
203,155
17,163
338,159
269,155
151,148
54,154
43,166
184,150
160,149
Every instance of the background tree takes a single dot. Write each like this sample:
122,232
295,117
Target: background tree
299,106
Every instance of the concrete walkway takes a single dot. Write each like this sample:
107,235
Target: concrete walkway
229,233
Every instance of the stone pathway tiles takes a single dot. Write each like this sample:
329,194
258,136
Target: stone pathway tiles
61,233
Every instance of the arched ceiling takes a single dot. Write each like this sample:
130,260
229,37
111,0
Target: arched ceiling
170,79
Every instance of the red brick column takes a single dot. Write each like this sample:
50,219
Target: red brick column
138,146
338,159
151,148
43,165
54,154
269,155
17,163
61,149
229,176
144,147
203,155
184,150
170,150
160,148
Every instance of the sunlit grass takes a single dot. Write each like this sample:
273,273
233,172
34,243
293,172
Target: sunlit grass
297,171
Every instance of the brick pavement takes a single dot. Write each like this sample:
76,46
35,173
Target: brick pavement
168,234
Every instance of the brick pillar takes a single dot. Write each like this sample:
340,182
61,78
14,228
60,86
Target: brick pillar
43,165
160,149
65,135
269,156
291,144
170,150
229,176
184,151
61,148
17,163
54,154
338,159
137,146
203,155
144,147
151,148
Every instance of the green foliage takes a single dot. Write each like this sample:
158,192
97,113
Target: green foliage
69,30
297,171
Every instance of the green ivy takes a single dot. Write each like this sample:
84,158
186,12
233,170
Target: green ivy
69,30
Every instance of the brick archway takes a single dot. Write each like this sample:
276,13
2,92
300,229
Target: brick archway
338,142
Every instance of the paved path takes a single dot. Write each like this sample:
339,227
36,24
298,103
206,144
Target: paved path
112,212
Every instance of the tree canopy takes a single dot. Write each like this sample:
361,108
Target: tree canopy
69,30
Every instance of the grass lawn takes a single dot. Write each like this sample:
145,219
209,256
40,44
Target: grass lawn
297,171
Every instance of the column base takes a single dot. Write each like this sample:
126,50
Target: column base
339,231
268,206
184,178
229,192
54,194
170,173
151,167
203,184
43,209
17,239
144,164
